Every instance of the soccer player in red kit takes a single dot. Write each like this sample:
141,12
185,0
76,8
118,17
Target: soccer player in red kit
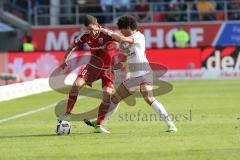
98,43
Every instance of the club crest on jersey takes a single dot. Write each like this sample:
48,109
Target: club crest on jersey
100,40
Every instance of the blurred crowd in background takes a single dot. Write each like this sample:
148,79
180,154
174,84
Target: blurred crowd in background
71,11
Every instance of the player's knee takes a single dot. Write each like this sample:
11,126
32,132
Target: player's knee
115,99
147,94
146,87
78,83
74,90
149,100
107,93
106,97
146,91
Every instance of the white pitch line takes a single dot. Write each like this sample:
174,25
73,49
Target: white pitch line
33,111
27,113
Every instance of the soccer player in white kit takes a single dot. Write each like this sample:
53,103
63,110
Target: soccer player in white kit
132,44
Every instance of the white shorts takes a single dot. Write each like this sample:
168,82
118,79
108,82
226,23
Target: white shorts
134,83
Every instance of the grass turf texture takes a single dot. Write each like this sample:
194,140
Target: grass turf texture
212,131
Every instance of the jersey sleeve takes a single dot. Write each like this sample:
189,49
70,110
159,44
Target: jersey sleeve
137,38
80,40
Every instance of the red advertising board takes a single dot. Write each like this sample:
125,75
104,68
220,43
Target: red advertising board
157,36
176,59
33,65
40,64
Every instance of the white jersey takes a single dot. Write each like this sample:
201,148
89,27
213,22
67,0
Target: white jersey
136,56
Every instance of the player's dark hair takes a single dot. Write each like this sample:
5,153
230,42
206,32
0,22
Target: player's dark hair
28,39
88,19
127,22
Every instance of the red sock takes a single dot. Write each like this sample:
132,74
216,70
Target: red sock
71,101
102,112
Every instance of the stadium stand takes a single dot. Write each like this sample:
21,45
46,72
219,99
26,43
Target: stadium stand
22,15
38,12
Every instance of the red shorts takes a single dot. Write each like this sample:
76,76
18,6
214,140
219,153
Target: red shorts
91,74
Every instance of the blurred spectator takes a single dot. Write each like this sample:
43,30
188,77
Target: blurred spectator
183,5
176,10
27,45
173,3
107,6
205,9
234,10
159,7
92,7
104,10
193,16
122,5
181,38
143,9
176,14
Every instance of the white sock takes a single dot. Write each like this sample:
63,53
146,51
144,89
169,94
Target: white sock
111,110
160,110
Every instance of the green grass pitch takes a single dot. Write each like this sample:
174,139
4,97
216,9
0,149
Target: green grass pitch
210,131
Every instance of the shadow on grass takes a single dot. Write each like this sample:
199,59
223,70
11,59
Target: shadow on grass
43,135
71,135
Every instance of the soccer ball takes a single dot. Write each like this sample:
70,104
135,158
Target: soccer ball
63,127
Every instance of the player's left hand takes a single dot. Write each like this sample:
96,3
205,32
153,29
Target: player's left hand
104,30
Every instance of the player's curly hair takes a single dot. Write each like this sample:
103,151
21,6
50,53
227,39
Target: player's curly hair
127,22
88,19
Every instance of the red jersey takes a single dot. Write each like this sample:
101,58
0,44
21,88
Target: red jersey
101,46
